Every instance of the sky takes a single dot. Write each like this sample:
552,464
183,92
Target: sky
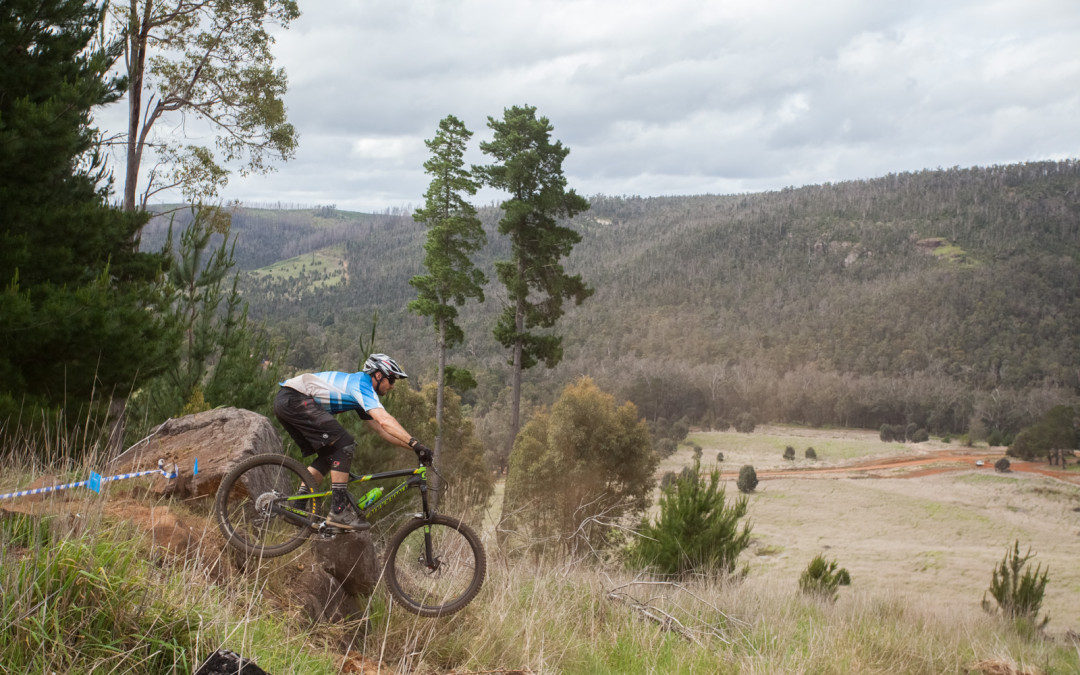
679,97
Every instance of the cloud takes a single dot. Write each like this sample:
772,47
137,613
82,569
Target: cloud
682,97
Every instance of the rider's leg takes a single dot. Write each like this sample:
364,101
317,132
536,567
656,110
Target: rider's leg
320,467
317,469
342,513
340,461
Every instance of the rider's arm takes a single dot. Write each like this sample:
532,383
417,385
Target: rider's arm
384,424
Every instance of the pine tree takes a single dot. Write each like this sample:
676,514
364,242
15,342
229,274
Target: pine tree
221,356
696,532
454,234
529,166
80,305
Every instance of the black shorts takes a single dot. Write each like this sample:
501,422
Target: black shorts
309,425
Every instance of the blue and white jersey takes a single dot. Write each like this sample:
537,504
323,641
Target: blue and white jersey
337,392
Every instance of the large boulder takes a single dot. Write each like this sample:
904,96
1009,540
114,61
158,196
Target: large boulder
324,598
351,559
219,439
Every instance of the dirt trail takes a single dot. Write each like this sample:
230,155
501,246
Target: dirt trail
928,465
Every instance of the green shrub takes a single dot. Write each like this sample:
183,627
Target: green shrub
920,436
1018,596
666,447
789,452
719,457
697,451
695,532
1002,465
1056,430
668,479
886,434
745,423
821,578
811,453
748,480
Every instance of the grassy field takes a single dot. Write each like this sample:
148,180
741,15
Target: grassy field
327,267
92,594
930,538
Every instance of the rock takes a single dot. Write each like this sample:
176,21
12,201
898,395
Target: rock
350,558
323,597
219,439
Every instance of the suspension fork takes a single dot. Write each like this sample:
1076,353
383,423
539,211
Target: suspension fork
429,556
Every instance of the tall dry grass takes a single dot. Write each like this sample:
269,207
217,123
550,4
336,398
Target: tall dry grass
92,595
586,619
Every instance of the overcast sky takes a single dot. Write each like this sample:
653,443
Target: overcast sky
674,97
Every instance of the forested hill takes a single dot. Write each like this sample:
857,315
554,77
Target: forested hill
807,304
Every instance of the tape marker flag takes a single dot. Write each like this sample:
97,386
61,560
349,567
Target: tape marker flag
195,472
95,482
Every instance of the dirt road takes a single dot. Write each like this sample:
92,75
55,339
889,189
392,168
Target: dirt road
939,462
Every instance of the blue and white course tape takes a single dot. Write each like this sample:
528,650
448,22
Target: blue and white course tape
95,481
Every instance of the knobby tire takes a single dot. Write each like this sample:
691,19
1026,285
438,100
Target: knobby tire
442,591
245,511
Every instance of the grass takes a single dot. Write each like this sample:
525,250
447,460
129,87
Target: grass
766,448
96,597
325,267
97,602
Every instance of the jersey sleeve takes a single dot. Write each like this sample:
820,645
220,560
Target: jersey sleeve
362,389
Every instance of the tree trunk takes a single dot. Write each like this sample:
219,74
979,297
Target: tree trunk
137,33
435,492
515,395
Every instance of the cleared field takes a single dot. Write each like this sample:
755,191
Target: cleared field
325,267
935,534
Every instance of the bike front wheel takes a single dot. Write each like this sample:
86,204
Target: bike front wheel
253,511
435,567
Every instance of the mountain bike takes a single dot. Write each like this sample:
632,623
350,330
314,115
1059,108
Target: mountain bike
435,564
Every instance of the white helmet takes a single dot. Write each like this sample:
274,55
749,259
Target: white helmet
385,365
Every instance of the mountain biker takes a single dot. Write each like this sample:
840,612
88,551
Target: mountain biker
306,404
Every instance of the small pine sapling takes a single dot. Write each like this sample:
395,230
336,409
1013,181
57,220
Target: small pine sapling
1019,596
821,578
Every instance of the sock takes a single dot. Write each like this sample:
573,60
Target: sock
340,500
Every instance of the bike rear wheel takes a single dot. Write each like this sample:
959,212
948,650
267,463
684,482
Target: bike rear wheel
251,509
445,581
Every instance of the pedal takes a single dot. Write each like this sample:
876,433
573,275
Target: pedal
325,531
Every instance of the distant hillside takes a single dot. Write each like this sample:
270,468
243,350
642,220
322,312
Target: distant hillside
804,304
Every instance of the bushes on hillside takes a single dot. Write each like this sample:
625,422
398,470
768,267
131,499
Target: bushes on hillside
696,532
900,433
789,453
811,453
